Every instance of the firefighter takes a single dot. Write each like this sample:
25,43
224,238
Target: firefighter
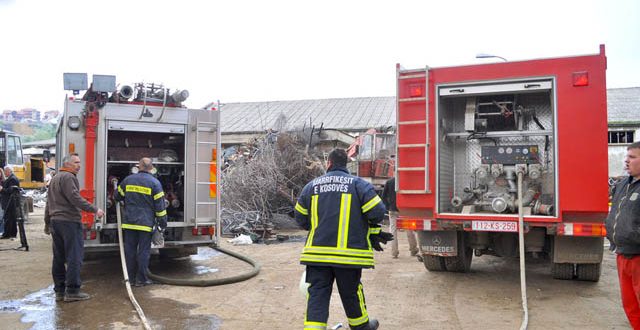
343,215
144,208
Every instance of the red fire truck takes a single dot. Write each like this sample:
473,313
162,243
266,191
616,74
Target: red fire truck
484,147
112,129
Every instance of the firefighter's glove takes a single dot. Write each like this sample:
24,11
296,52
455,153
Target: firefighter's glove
381,238
157,238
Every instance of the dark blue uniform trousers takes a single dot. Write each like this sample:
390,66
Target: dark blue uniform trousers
321,284
137,250
68,246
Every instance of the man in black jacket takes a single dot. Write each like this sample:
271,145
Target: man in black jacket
10,184
622,230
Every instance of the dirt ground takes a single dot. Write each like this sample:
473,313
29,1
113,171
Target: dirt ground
400,293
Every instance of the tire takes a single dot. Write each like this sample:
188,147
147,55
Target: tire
562,271
588,272
433,263
460,263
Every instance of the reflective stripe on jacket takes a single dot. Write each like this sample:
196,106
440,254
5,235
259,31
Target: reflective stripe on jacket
144,202
340,211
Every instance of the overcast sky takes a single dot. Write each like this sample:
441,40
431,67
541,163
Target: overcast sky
245,50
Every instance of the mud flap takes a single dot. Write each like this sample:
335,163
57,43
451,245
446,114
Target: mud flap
439,243
577,250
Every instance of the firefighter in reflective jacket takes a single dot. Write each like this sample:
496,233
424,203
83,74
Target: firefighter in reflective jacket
343,214
144,208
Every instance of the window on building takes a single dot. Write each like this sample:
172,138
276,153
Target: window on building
621,137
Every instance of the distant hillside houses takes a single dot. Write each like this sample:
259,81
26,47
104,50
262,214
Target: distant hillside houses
29,114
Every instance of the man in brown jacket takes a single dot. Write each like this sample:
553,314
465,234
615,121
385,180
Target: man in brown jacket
63,221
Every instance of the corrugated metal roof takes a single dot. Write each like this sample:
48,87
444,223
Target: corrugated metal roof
348,114
362,113
623,104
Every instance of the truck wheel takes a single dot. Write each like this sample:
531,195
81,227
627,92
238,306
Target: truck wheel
562,271
588,272
433,263
460,263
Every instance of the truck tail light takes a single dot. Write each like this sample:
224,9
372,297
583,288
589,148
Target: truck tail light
580,79
210,231
582,229
416,224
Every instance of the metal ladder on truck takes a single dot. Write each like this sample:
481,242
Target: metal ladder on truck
417,83
206,163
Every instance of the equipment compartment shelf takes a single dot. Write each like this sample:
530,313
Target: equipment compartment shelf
137,161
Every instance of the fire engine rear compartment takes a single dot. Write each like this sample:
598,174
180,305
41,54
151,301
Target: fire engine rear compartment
166,149
485,133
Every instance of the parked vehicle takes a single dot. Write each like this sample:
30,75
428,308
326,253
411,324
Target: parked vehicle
113,129
481,147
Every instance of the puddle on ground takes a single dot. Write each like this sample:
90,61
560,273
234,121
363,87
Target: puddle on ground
109,306
204,253
38,307
204,270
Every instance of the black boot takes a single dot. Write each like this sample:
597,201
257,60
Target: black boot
373,324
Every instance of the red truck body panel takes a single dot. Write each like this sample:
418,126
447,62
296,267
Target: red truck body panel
580,134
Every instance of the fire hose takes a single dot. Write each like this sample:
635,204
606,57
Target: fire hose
123,261
216,281
199,282
523,280
174,281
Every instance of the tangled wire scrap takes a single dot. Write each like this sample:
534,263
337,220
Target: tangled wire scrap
264,178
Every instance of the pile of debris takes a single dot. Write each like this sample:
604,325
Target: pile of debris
261,181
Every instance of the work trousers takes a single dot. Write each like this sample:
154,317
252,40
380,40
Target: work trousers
629,276
411,236
137,250
10,224
68,248
321,280
1,220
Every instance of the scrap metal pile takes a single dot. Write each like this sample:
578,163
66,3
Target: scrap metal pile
261,181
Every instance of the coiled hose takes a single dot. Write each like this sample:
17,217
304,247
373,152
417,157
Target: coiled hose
217,281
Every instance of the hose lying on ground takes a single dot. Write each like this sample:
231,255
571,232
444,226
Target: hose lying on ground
125,274
215,281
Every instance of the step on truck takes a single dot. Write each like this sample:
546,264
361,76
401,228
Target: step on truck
481,147
112,129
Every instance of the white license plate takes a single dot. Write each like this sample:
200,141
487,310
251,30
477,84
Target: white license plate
506,226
